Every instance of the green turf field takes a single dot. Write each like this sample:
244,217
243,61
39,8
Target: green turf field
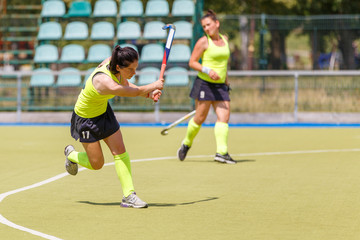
289,183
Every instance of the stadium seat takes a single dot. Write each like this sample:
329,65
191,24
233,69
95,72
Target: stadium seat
157,8
76,31
128,30
42,78
152,52
79,8
130,45
148,75
106,8
133,8
176,76
49,31
72,53
183,8
45,79
180,53
46,53
153,30
66,79
184,30
98,52
102,31
53,8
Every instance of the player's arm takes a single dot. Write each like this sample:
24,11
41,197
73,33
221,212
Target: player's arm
148,95
106,85
199,48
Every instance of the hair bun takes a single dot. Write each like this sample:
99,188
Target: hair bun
211,12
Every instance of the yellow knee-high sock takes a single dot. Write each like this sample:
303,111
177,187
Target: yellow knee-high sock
123,170
192,131
80,158
221,130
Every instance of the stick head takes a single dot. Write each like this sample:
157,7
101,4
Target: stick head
164,132
169,26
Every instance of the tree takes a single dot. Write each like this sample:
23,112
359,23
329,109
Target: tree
345,30
277,54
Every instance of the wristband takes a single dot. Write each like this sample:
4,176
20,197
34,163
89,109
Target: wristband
206,70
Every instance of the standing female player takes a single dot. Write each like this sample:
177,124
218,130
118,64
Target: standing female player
94,120
211,87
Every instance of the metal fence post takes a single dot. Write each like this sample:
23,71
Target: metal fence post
157,111
18,106
296,89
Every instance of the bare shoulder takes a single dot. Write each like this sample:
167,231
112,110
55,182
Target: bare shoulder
203,40
100,79
202,43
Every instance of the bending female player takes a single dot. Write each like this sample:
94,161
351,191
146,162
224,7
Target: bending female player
94,120
211,87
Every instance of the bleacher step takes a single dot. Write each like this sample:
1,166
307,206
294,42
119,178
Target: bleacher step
21,15
19,39
24,7
22,29
16,52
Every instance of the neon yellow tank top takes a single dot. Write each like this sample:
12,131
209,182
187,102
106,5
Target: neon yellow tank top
215,58
90,103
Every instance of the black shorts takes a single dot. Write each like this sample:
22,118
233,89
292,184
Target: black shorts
94,129
206,91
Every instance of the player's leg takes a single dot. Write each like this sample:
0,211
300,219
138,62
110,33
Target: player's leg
92,158
221,130
123,169
194,125
202,110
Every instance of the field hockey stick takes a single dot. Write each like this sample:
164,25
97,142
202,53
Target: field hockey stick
177,122
168,44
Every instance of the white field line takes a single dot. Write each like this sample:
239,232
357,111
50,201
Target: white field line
3,220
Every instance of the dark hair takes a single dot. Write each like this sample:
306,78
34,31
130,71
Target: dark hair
210,14
122,57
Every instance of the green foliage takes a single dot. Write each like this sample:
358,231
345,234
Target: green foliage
284,7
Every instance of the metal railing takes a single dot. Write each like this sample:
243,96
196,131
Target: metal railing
19,84
234,76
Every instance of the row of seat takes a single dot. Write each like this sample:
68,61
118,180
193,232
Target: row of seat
70,77
103,30
109,8
75,53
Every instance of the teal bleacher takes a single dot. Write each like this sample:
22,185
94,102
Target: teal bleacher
79,34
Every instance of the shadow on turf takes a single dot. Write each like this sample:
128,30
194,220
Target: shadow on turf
207,161
153,204
181,204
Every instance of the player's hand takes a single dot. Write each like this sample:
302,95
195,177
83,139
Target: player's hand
213,75
155,95
159,84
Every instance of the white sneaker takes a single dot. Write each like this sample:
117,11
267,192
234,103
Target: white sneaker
71,167
133,201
